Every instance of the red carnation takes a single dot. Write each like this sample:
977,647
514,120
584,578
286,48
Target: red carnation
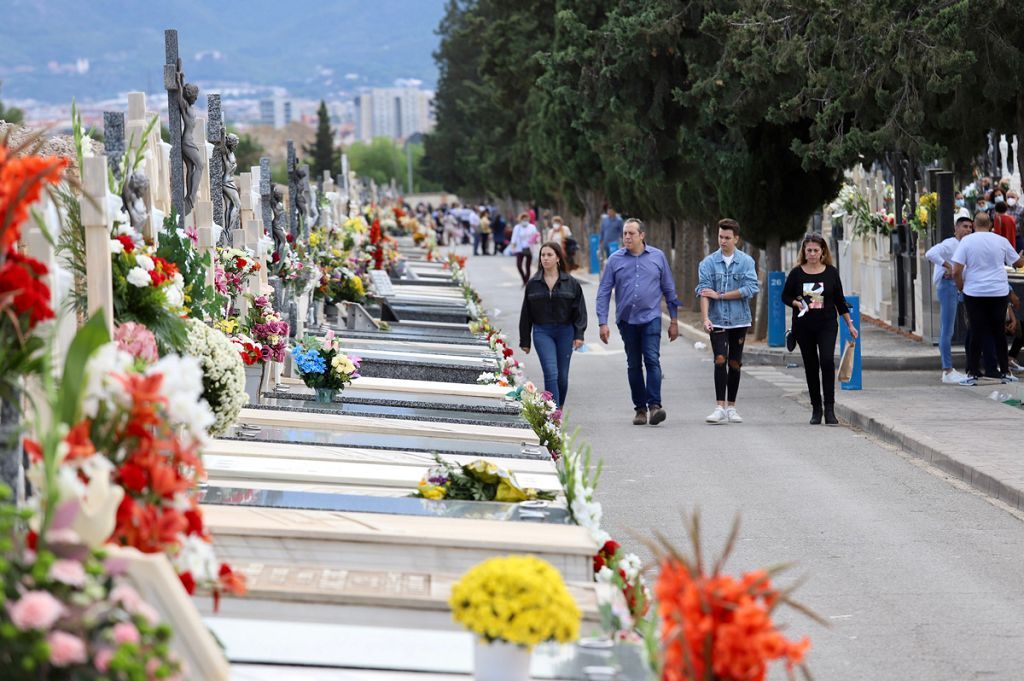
127,242
188,582
133,478
195,522
19,275
507,352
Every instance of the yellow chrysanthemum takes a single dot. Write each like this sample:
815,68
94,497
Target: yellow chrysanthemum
519,599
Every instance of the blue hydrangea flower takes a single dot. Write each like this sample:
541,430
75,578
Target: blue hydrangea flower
309,361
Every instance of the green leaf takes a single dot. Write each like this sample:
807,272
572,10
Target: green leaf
88,339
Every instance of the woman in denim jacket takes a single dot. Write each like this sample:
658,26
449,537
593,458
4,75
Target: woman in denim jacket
727,281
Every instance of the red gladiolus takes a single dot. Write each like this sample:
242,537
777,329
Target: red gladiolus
133,478
21,182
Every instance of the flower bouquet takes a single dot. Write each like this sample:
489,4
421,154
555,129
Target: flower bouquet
716,627
323,366
148,289
223,373
68,613
513,603
141,431
234,266
543,415
475,481
265,326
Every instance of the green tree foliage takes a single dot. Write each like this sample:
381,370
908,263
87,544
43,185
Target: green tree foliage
384,159
322,153
9,113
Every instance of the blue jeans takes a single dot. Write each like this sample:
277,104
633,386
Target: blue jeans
643,348
554,350
949,298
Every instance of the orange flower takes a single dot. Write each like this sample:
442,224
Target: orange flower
21,182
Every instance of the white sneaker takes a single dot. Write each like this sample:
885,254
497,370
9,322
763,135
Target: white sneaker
1010,378
1016,368
717,416
953,377
733,415
969,380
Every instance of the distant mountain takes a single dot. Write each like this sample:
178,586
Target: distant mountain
51,50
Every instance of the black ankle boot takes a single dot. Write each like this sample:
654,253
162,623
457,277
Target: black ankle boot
815,414
830,415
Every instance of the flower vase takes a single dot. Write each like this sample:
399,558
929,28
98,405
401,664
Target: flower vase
325,395
254,382
500,661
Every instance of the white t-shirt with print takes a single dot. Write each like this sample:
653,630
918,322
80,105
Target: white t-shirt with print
983,255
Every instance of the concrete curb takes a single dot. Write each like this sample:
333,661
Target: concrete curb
983,482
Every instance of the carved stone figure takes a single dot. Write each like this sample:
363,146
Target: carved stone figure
232,201
133,198
191,156
277,229
1003,159
302,197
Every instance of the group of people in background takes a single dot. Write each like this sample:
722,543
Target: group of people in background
639,276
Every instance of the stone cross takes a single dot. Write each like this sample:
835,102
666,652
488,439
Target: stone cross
113,143
98,276
311,200
215,135
266,195
204,226
172,69
135,127
293,191
245,213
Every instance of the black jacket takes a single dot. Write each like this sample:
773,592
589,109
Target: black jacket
564,304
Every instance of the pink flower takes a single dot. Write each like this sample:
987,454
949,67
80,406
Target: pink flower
192,234
68,572
126,596
36,610
102,659
65,649
137,340
125,632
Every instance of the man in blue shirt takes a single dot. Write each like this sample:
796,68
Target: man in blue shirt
611,231
640,276
727,280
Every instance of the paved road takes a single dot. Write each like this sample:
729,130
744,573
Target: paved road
921,578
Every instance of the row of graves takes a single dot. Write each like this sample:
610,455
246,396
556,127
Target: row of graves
262,432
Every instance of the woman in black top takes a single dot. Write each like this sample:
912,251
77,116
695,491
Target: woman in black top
815,292
554,309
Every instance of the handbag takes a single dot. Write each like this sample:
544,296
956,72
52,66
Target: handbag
846,362
790,340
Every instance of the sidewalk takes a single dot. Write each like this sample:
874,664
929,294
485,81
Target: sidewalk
957,429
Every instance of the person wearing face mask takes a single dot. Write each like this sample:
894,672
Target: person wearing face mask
815,292
1014,210
959,198
1003,224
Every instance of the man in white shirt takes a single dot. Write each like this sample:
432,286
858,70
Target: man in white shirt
941,255
979,271
524,236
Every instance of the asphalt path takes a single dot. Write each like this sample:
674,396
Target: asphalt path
921,578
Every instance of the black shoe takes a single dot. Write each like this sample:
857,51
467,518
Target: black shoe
657,415
830,416
641,417
815,416
790,340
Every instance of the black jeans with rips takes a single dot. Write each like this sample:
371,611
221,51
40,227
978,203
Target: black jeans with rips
727,345
818,350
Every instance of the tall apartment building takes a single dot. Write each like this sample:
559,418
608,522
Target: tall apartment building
393,112
275,112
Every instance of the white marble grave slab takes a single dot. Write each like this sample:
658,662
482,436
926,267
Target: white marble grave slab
403,543
369,424
495,392
418,461
354,345
403,479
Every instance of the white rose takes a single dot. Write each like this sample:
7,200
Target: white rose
145,262
174,296
116,246
139,277
123,229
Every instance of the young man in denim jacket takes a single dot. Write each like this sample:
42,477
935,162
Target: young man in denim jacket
727,281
